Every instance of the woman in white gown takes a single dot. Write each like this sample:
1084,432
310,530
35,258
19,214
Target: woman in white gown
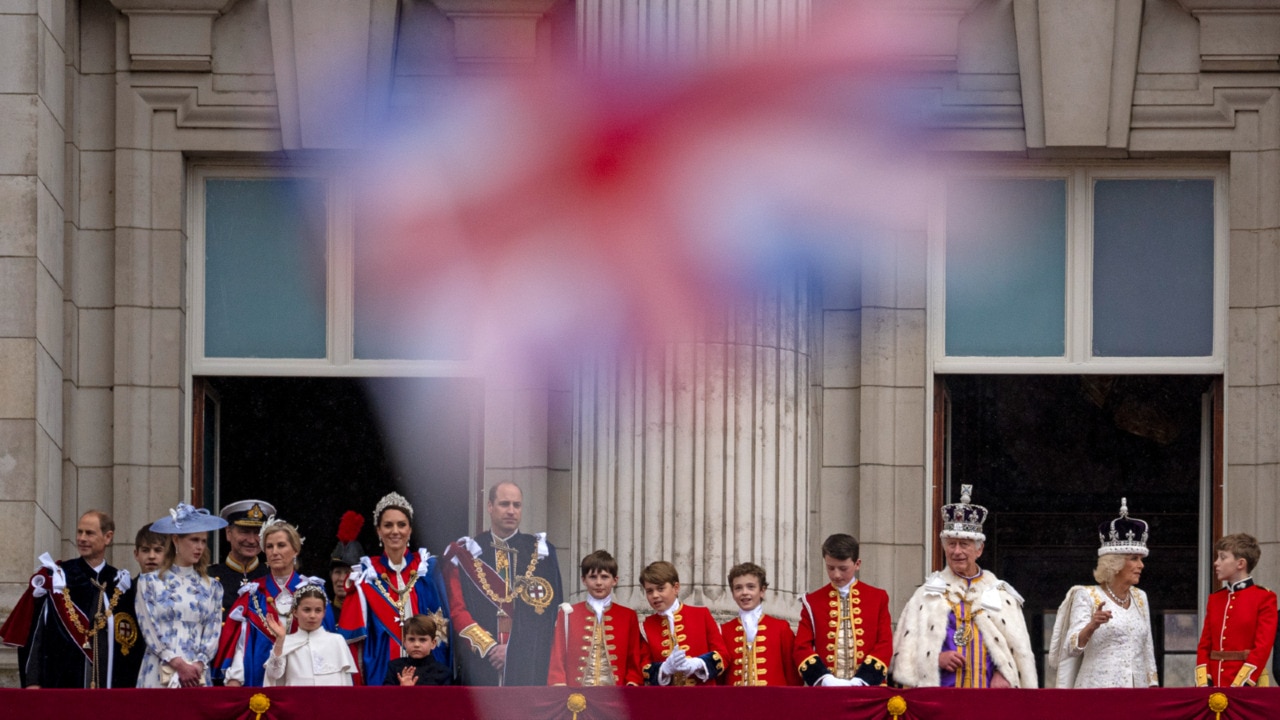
1102,637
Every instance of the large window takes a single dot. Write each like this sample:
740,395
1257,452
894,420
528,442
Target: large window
284,281
1077,322
316,383
1073,267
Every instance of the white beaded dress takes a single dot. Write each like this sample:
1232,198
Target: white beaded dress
1119,654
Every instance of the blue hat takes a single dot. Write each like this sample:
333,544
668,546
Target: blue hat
185,519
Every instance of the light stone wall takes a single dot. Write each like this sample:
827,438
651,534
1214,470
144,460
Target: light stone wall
34,115
104,103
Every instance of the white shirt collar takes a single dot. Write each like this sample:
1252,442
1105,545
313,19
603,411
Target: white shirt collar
671,612
98,568
751,621
507,538
599,606
844,589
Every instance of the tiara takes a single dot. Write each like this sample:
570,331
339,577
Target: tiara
272,525
310,587
392,500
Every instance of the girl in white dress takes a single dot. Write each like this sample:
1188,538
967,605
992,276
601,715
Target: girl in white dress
1102,637
179,606
312,655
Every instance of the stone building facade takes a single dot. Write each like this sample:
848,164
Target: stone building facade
826,411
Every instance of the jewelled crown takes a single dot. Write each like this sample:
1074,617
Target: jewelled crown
964,520
1124,535
392,500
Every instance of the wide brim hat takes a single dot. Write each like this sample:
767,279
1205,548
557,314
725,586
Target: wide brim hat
248,513
185,519
1124,535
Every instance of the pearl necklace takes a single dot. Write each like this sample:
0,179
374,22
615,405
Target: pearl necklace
1122,603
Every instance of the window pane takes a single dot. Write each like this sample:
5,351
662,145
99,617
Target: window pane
396,320
1006,267
265,268
1153,268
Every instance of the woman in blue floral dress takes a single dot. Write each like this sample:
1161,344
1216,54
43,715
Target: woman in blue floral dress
179,606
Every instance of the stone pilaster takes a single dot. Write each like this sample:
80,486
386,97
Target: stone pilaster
1252,480
33,115
891,502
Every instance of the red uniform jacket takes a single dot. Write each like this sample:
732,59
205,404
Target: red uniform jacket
815,653
571,648
1239,624
696,632
769,662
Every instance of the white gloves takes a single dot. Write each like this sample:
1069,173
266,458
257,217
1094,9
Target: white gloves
830,680
694,667
679,662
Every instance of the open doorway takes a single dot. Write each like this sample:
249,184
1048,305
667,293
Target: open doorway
1051,457
317,447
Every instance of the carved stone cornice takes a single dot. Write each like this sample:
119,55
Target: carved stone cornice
495,32
929,30
172,35
1237,35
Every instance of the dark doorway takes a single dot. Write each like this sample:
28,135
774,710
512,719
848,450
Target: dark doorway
1051,457
317,447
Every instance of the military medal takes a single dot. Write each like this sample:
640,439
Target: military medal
126,632
536,592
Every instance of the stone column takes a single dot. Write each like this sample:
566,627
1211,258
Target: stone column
697,453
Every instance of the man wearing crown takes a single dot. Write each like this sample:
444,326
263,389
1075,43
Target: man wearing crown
503,588
74,626
964,626
244,521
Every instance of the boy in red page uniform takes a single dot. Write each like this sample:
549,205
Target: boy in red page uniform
596,641
1240,622
845,636
760,646
682,642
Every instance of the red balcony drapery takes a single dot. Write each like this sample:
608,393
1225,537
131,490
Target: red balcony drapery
641,703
